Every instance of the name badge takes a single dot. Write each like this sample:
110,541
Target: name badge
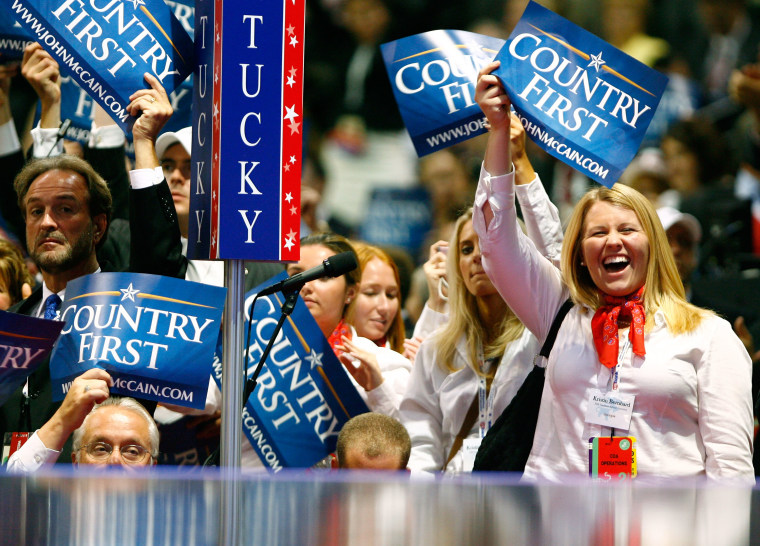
610,409
470,448
612,458
12,442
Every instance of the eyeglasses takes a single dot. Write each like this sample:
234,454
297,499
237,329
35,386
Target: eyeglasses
132,454
168,166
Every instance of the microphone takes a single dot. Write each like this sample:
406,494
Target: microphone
334,266
60,134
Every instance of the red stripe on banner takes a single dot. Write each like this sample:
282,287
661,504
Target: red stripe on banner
217,131
292,130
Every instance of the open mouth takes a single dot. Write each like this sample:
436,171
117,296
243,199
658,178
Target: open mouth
615,264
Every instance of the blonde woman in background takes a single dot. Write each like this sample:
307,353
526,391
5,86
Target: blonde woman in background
481,356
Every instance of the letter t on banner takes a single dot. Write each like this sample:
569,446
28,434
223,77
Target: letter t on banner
247,130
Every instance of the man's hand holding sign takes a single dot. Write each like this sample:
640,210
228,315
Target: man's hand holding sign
88,389
42,73
108,46
152,109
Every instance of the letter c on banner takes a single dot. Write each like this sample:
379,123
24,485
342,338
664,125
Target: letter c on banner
400,80
242,128
517,40
201,128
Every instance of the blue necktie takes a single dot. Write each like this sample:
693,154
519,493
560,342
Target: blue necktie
52,304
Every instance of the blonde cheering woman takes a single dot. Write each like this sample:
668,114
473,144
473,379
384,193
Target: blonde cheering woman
679,376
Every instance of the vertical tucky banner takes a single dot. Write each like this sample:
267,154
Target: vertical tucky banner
247,126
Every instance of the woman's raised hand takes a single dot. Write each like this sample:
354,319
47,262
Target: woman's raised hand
492,98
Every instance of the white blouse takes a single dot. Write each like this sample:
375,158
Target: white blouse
692,413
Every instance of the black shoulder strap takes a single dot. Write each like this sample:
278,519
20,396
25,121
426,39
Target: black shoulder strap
549,343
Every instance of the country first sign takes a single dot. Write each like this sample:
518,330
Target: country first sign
155,335
24,344
585,102
13,38
108,45
79,107
433,77
304,395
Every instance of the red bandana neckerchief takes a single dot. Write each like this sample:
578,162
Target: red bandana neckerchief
604,326
336,338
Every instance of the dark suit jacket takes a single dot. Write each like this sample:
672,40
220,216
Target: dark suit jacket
155,248
9,166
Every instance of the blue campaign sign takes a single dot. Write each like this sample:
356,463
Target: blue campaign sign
582,100
433,77
79,107
24,344
13,37
303,396
398,217
181,98
108,45
155,335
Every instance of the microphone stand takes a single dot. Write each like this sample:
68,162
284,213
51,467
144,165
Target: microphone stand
291,297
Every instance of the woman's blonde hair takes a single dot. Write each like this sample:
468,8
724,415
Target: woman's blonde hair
366,253
13,270
464,317
663,287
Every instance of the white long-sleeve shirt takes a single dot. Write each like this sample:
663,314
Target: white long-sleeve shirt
436,401
692,413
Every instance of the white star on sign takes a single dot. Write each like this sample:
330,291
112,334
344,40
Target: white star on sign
290,113
289,243
137,3
597,61
291,82
293,41
292,159
129,293
288,197
315,359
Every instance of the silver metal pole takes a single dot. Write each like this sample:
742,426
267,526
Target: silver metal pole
232,401
232,365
